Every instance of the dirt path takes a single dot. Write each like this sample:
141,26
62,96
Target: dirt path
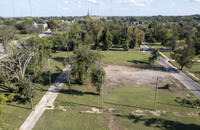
46,102
112,124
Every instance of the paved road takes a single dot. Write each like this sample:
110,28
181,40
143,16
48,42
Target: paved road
46,102
192,85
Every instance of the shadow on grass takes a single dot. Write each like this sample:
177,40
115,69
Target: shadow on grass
77,92
28,108
161,123
59,59
80,104
127,106
138,62
147,66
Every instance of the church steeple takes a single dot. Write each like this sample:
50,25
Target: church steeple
88,14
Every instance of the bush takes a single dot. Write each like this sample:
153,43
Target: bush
188,102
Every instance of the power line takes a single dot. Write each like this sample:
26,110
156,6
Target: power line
111,8
13,9
30,7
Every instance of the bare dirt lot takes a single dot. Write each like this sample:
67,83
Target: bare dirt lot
118,75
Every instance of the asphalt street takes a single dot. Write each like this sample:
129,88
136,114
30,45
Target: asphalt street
192,85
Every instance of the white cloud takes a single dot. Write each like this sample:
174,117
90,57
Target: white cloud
172,5
63,8
66,2
79,4
135,2
95,2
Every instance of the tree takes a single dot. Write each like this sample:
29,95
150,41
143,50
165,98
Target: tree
82,61
52,25
107,39
96,31
184,55
15,69
42,48
6,34
154,55
97,75
125,37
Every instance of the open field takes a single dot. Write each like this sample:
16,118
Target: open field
70,111
16,113
125,96
125,58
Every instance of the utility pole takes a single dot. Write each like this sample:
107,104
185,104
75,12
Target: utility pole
13,9
49,71
30,7
156,94
102,93
69,72
30,93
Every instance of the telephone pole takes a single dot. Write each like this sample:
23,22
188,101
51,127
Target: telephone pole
156,94
13,9
30,7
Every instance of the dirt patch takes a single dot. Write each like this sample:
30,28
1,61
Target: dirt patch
158,113
93,110
118,75
193,114
113,110
112,124
138,113
178,114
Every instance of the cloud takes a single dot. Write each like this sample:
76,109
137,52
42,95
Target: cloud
172,5
66,2
95,2
63,8
79,4
195,0
140,3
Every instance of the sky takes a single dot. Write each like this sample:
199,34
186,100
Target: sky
21,8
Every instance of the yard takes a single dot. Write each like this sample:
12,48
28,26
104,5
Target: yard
124,108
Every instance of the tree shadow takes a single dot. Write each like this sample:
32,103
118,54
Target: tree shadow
161,123
77,92
138,62
127,105
19,106
59,59
80,104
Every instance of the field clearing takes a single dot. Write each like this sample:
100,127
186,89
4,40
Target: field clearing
125,57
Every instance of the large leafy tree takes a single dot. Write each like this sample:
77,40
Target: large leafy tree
184,55
96,31
125,37
107,39
82,61
154,55
6,34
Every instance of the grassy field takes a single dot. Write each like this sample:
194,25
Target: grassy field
125,58
125,100
156,45
16,113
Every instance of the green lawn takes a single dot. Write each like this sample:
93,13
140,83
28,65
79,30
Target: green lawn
156,45
15,113
126,99
125,57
